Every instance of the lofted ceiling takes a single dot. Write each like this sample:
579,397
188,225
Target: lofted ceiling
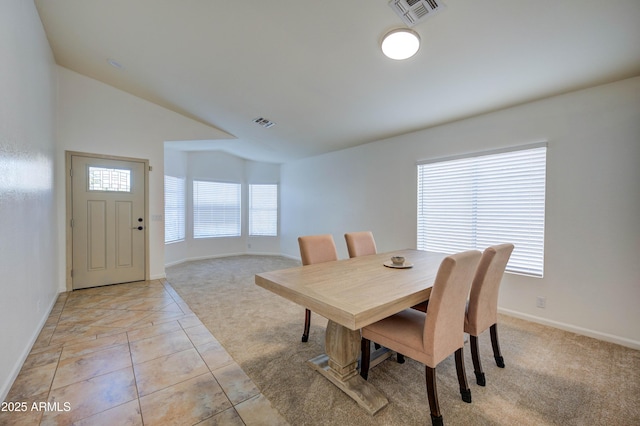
315,67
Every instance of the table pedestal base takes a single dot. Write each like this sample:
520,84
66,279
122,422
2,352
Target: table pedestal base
340,367
363,392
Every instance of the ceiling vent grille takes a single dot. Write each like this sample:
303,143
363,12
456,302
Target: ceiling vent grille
264,122
412,12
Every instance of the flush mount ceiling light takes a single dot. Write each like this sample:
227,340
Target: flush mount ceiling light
401,43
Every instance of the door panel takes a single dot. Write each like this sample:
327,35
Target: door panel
124,240
108,213
97,237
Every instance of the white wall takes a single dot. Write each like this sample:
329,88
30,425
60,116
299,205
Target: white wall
175,164
28,267
592,238
223,167
96,118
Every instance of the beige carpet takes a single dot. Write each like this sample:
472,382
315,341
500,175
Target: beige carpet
551,377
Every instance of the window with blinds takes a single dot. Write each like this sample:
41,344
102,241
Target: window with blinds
216,209
263,209
174,209
474,202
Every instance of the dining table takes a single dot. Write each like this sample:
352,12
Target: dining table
351,294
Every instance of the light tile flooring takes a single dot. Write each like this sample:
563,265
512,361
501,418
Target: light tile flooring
132,354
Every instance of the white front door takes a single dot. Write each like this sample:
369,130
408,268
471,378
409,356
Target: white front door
108,221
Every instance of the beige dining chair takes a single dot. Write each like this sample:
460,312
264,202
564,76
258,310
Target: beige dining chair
482,309
432,336
315,249
360,243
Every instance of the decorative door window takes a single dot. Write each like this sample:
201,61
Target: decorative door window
107,179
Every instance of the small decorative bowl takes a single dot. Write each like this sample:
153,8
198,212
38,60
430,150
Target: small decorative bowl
397,260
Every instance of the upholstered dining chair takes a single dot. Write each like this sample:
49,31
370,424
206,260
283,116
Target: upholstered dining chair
315,249
482,309
360,243
432,336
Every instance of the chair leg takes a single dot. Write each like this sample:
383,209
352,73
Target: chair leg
477,365
422,306
465,392
432,395
307,325
399,357
365,357
496,346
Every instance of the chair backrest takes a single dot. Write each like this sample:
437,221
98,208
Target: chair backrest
360,243
482,311
444,324
317,249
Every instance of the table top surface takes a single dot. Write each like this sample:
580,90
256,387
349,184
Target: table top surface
359,291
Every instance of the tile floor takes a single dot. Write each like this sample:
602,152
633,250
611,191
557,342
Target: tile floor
132,354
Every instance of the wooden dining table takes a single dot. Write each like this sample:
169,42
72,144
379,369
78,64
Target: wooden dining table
353,293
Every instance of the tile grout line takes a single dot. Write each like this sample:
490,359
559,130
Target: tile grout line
135,379
233,405
59,355
209,368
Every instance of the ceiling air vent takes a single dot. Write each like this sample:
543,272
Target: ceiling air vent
264,122
413,12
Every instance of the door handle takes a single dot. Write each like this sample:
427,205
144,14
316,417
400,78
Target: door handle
139,228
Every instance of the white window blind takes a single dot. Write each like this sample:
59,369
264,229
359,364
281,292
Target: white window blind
174,201
263,209
216,209
475,202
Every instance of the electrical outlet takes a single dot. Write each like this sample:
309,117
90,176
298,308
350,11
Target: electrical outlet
541,302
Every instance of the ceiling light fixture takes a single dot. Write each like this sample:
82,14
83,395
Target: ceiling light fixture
401,43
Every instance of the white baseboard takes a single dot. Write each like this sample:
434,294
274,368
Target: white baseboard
218,256
6,385
623,341
191,259
298,258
